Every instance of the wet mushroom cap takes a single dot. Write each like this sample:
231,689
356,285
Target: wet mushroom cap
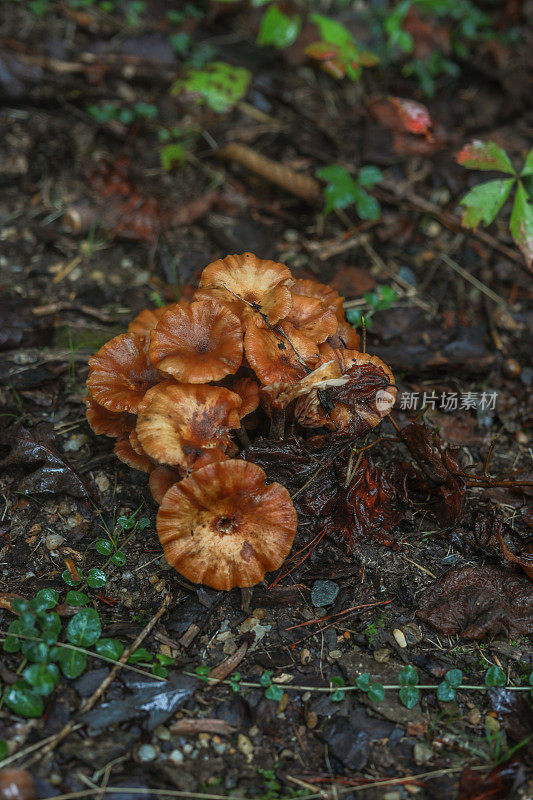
125,452
225,527
120,373
248,391
280,354
109,423
248,286
197,343
309,316
147,320
184,420
160,481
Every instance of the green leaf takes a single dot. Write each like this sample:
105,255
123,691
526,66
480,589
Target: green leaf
76,599
36,652
171,155
483,202
21,699
218,84
50,626
527,169
274,692
339,695
104,546
494,676
341,190
84,628
18,605
110,648
409,696
143,523
119,559
44,600
12,642
278,29
332,31
485,156
408,676
96,578
68,580
266,678
530,679
369,175
71,662
367,206
167,660
363,681
202,671
454,677
445,692
522,224
376,693
3,749
141,654
43,678
159,670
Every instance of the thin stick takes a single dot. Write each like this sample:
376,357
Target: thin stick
93,699
338,614
489,454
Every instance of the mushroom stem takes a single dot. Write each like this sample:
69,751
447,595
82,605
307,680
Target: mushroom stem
243,437
277,424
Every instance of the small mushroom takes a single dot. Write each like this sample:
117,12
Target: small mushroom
160,481
109,423
279,354
126,453
344,335
248,286
248,391
120,373
308,316
224,527
146,321
197,343
183,421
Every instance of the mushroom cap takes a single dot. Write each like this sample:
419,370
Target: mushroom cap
184,420
324,376
197,343
356,402
160,481
283,354
309,316
344,335
147,320
125,452
153,390
224,527
120,373
248,391
109,423
248,286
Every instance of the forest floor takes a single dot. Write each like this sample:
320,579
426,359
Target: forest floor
283,723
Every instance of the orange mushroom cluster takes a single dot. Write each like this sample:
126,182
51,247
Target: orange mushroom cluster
188,384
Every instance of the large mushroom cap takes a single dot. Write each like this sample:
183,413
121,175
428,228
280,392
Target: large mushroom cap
147,320
279,354
224,527
160,481
132,457
120,373
182,421
309,316
197,343
331,300
248,286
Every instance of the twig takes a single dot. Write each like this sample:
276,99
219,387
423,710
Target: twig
93,699
473,280
338,614
53,308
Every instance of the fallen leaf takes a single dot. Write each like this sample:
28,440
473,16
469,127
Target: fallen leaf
479,601
414,116
497,785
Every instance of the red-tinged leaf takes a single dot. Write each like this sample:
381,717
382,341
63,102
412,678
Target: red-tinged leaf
414,116
485,156
522,224
497,785
483,202
368,59
321,51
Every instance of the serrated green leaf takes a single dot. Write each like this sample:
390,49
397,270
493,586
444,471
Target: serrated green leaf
44,600
23,700
483,202
522,223
341,190
369,175
527,169
485,156
409,696
367,206
110,648
96,578
71,662
84,628
408,676
278,29
376,693
77,599
494,676
445,692
218,84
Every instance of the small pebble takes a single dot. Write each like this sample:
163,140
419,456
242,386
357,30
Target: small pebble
324,593
400,637
413,633
335,654
176,756
392,796
188,748
381,655
102,481
146,752
245,746
511,368
219,746
305,656
75,443
162,733
422,753
312,720
474,716
491,724
54,540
